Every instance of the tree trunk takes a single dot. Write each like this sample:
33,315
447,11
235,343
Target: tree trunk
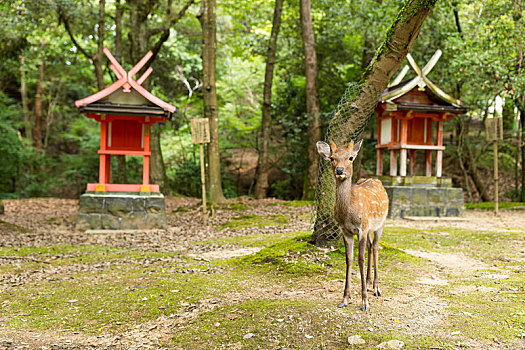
118,31
522,120
261,177
39,110
312,99
25,105
121,158
97,59
208,23
139,39
388,59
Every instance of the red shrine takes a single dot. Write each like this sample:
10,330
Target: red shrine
407,114
125,111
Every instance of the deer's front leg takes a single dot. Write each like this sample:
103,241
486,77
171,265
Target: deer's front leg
349,254
361,259
369,265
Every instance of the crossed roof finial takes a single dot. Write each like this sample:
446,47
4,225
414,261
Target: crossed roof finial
421,80
126,82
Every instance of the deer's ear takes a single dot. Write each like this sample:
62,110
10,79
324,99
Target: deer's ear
333,146
357,147
323,149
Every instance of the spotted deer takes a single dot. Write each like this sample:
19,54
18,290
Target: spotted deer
360,209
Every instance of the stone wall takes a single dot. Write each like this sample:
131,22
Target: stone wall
120,211
417,200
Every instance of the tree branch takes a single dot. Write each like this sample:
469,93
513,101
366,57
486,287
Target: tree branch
166,32
62,17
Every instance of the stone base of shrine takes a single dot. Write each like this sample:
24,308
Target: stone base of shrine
423,196
121,211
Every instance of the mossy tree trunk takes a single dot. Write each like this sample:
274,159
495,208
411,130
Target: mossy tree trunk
399,40
261,175
312,100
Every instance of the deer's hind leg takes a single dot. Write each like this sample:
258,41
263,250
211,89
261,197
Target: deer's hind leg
375,249
370,260
361,259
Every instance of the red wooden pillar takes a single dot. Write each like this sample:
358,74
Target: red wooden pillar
104,158
145,164
439,153
403,152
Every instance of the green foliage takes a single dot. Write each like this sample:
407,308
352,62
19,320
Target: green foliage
186,179
478,63
12,154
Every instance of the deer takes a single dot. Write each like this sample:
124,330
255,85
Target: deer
360,210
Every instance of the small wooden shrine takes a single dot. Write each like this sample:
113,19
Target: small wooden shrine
126,111
410,117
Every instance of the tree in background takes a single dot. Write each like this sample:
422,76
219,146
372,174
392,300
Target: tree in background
261,175
207,18
312,99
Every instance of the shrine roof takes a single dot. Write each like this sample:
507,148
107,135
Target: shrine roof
126,95
438,99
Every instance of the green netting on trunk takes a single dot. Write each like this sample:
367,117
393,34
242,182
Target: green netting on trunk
340,130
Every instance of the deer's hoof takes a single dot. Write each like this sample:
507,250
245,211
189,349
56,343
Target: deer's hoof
365,308
343,304
377,293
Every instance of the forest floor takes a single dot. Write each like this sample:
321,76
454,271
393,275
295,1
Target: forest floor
252,280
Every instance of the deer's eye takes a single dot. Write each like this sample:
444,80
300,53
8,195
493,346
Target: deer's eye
331,159
351,158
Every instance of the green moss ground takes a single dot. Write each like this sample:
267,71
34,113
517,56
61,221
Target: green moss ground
285,294
252,220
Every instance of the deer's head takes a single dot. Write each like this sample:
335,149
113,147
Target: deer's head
340,158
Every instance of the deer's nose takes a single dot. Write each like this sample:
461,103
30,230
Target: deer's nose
339,171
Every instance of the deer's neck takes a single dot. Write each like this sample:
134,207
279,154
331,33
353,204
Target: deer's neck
343,200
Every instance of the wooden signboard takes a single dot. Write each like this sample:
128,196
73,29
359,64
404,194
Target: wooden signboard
494,127
200,133
200,130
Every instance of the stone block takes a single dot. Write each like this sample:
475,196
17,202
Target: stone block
419,196
155,205
89,203
414,200
134,221
115,211
110,222
119,206
88,221
139,204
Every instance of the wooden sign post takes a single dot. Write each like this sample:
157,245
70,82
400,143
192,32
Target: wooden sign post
494,128
200,133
